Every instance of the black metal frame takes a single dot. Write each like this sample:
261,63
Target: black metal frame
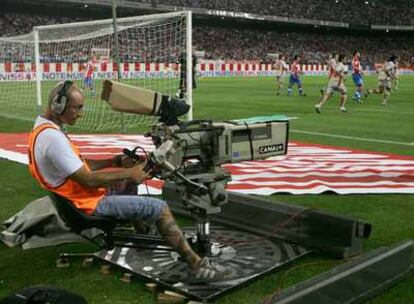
109,236
356,281
336,236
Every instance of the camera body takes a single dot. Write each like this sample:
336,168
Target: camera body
206,144
189,155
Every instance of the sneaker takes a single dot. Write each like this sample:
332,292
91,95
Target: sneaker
318,109
343,109
208,270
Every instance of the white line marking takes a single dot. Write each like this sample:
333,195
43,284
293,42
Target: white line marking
14,156
353,138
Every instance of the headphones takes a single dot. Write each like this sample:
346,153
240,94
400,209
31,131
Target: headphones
59,102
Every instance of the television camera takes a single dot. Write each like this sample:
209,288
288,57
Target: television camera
188,155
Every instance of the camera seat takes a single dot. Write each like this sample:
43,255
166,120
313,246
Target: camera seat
78,221
111,235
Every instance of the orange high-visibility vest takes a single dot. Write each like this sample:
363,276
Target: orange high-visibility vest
84,198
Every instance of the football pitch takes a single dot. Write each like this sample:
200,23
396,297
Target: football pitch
368,126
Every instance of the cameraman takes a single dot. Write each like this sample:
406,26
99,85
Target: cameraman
56,163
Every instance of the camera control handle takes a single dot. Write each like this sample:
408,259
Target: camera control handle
132,154
199,188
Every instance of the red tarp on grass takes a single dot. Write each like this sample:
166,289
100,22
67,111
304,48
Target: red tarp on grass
306,169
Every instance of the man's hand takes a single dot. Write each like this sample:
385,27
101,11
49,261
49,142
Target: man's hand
138,174
123,161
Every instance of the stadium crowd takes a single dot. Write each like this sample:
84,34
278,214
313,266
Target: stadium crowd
12,24
238,44
365,12
313,47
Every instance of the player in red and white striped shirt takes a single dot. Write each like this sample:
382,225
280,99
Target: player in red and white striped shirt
294,78
88,80
357,77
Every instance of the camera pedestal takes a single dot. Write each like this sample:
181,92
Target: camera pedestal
248,256
251,235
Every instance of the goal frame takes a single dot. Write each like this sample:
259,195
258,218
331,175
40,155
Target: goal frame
188,48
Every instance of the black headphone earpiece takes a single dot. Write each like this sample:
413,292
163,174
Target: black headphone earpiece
60,100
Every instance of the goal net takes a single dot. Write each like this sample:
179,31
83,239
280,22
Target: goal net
149,48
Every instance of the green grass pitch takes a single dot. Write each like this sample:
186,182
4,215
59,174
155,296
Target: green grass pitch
368,126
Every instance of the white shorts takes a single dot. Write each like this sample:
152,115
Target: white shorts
385,83
334,87
279,74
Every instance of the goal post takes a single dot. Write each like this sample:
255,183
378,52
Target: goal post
149,50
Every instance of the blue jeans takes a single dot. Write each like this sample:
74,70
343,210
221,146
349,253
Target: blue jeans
131,207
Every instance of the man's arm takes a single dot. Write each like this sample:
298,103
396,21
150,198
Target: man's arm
117,161
95,164
99,178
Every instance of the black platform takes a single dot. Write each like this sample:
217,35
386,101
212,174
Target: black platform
249,256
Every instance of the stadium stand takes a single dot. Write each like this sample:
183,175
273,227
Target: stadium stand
313,47
353,11
12,24
241,44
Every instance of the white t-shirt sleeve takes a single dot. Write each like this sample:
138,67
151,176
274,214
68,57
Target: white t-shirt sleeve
55,157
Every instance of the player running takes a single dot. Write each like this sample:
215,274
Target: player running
336,83
281,68
357,76
295,72
386,74
330,64
88,81
396,81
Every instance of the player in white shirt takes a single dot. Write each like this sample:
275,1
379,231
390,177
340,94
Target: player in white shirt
280,67
330,68
397,74
386,74
336,83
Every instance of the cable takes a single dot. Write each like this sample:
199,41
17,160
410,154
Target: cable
249,134
147,157
183,159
